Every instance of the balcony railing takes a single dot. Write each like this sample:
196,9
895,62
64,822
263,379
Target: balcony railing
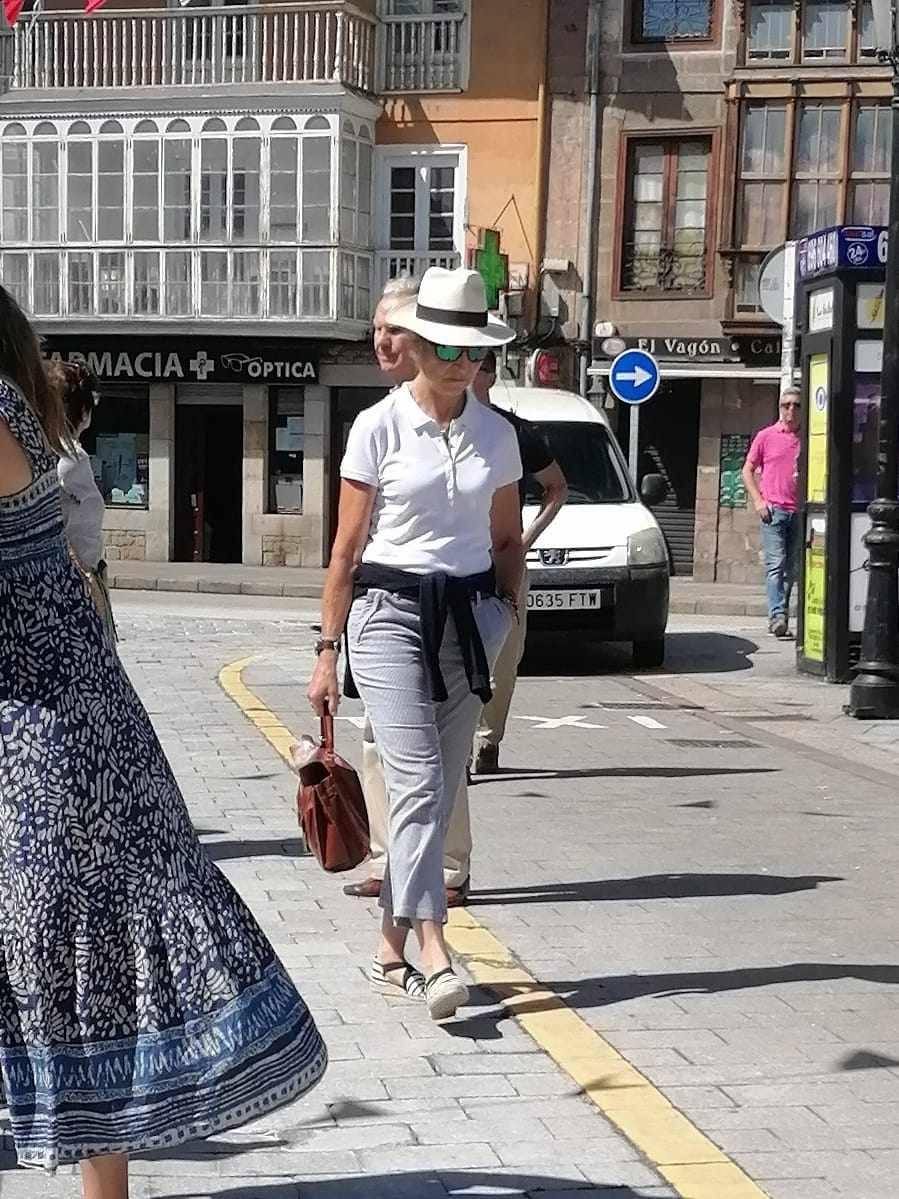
215,283
188,47
425,54
392,263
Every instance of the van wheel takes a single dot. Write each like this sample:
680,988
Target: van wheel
649,654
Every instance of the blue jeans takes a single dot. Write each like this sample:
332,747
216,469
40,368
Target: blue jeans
780,544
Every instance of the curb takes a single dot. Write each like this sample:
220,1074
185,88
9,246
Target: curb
678,606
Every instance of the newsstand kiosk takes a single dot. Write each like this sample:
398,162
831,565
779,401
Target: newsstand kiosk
839,319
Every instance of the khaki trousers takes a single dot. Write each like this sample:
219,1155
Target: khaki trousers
492,725
457,851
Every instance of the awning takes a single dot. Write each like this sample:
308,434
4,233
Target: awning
702,370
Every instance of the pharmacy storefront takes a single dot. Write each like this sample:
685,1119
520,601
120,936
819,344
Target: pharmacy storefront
208,449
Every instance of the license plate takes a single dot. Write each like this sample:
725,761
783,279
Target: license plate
565,601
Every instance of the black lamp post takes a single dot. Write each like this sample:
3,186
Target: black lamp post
874,693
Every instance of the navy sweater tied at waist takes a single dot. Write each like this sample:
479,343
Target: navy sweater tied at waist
438,596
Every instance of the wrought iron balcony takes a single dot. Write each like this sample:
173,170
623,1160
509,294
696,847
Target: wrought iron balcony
307,42
664,269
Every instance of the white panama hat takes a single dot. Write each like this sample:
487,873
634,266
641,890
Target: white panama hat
451,310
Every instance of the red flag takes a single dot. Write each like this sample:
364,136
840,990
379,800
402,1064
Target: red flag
92,5
12,8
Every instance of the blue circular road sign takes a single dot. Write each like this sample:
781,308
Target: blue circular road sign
634,377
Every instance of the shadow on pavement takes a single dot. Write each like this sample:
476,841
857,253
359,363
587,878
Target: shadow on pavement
222,851
508,774
421,1184
555,654
707,653
654,886
611,989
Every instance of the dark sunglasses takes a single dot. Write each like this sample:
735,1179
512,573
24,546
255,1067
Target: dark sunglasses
790,404
454,353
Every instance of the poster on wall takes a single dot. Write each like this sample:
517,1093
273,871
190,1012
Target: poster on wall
731,488
815,588
865,436
818,398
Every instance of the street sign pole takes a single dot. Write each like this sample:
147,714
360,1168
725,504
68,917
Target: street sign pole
633,446
634,378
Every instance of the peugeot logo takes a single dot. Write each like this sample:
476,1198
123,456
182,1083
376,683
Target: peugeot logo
554,557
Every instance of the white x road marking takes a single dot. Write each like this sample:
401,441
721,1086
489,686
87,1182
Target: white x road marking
647,722
548,722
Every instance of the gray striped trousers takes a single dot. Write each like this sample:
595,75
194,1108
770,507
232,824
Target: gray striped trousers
424,745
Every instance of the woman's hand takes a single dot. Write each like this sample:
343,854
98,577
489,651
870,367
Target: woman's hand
324,692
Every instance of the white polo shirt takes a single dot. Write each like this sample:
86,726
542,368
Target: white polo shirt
434,489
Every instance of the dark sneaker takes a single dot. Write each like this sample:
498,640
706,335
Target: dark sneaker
486,760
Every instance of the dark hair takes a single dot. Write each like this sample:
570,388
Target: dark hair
21,361
488,363
78,388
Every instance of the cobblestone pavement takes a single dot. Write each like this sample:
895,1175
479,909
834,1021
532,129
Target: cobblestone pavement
710,889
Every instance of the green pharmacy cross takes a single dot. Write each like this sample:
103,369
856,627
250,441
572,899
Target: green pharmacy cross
492,266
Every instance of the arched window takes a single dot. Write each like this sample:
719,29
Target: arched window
247,125
246,155
45,129
317,188
283,123
215,125
349,183
45,185
145,199
111,127
111,185
79,128
213,188
177,185
318,125
80,182
283,182
14,170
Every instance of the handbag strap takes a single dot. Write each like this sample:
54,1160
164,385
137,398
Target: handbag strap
327,732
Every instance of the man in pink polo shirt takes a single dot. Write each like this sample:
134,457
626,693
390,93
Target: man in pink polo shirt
771,475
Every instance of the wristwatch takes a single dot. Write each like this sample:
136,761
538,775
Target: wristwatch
324,643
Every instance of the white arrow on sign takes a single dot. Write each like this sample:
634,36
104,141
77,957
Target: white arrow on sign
638,376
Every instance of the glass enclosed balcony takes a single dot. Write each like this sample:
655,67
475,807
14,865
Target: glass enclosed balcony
237,218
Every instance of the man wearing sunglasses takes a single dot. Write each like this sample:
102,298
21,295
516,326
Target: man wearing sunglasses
771,475
538,463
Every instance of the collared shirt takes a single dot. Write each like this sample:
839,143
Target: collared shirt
775,452
434,488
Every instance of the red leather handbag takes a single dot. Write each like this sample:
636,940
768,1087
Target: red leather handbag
331,807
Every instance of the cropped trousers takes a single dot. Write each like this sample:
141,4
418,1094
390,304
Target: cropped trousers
423,744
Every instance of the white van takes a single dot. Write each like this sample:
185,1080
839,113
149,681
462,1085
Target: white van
603,564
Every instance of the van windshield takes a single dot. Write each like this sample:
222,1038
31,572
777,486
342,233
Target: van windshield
589,461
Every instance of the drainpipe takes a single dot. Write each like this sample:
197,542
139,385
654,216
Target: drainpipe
541,182
588,221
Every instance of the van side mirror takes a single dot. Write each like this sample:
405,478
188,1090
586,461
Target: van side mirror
653,489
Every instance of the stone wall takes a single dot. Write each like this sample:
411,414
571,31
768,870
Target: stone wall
125,545
728,548
279,549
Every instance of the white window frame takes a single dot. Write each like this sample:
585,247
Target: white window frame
388,157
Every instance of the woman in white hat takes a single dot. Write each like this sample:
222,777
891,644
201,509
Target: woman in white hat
426,565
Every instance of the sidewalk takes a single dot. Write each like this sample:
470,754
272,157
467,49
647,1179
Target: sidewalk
687,596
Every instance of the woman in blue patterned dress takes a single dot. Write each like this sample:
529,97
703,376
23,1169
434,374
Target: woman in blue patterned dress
140,1004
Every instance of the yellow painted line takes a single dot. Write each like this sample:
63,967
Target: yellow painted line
275,733
684,1156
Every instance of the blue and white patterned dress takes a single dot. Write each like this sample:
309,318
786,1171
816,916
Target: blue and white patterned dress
140,1004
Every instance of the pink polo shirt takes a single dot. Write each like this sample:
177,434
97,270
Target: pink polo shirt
775,452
